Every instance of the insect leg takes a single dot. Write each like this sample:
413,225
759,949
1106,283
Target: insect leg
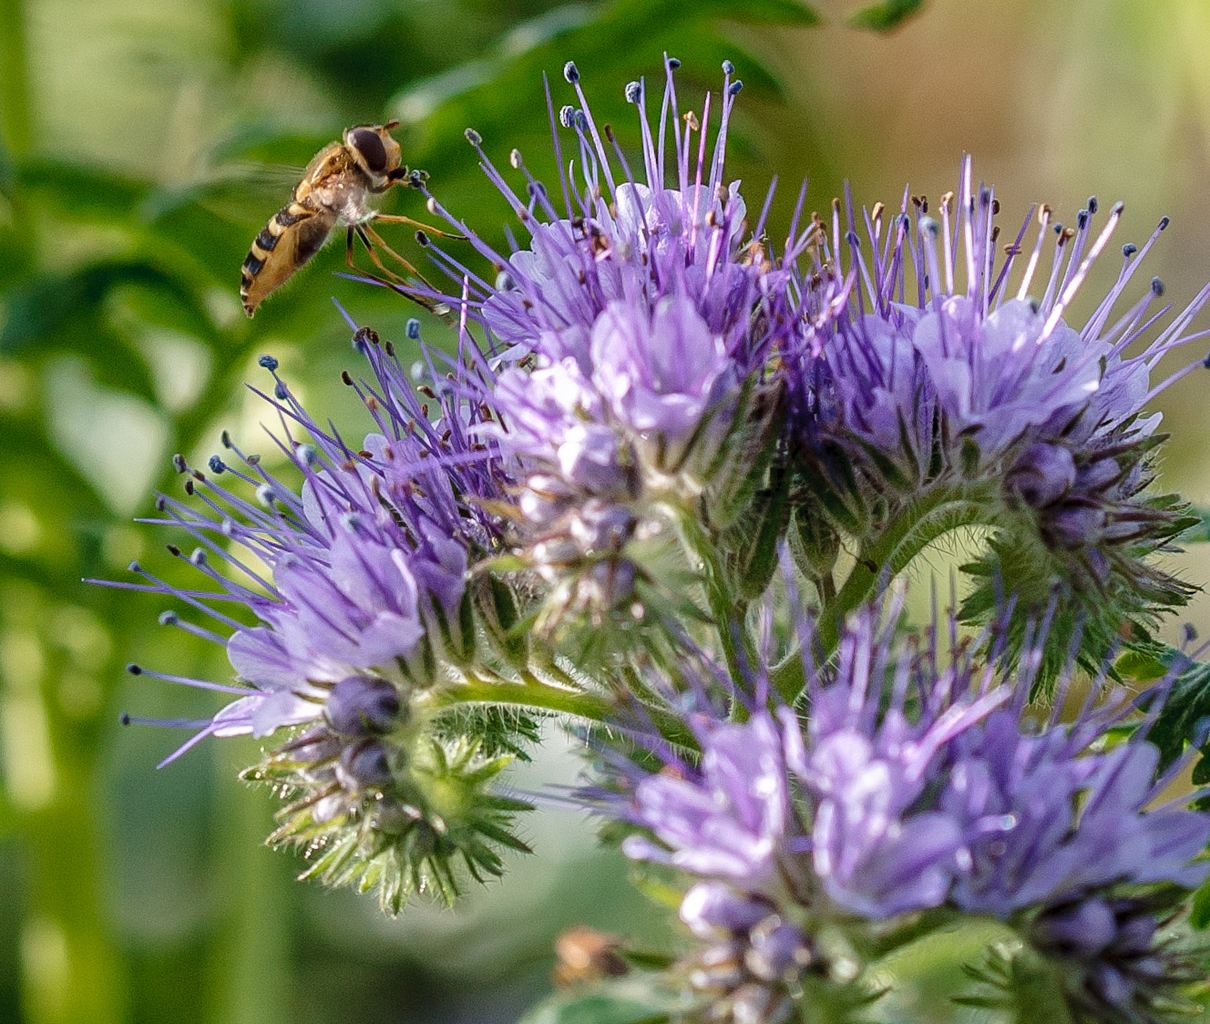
398,218
372,241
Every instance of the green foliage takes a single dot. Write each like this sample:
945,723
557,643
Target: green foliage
1127,598
883,17
1185,716
1199,530
631,1000
1014,982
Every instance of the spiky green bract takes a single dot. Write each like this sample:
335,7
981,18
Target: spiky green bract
436,822
1124,602
1126,960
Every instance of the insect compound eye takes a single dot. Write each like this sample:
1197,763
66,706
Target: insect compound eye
372,151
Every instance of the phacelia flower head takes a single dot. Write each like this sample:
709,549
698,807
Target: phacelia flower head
356,580
956,366
731,819
1050,818
630,330
831,810
914,778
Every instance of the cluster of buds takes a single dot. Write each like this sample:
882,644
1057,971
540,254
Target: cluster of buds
751,962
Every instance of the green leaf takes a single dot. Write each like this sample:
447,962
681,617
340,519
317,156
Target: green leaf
1182,719
632,1000
886,16
1199,911
1199,533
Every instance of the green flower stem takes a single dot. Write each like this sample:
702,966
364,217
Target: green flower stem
931,516
540,696
17,118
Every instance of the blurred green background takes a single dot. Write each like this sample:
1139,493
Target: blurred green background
131,133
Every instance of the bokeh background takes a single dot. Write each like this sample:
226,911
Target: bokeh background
137,140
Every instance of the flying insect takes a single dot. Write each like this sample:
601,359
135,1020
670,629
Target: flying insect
340,187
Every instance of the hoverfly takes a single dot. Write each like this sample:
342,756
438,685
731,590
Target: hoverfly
339,188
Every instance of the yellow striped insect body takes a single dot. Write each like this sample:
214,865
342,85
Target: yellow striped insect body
338,189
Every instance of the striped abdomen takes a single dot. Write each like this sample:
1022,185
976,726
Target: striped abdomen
294,234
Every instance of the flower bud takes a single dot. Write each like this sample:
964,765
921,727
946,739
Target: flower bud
1075,526
778,950
601,526
712,910
365,765
1087,927
362,705
756,1004
1043,474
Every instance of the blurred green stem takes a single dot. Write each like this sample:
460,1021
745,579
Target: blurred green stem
71,972
250,963
16,117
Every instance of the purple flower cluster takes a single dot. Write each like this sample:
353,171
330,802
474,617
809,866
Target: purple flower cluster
648,346
356,579
629,330
946,368
660,405
923,357
916,781
360,571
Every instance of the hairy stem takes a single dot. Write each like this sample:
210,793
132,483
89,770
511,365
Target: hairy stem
540,696
726,607
923,521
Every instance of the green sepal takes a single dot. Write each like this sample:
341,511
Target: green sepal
435,821
500,617
814,543
752,541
